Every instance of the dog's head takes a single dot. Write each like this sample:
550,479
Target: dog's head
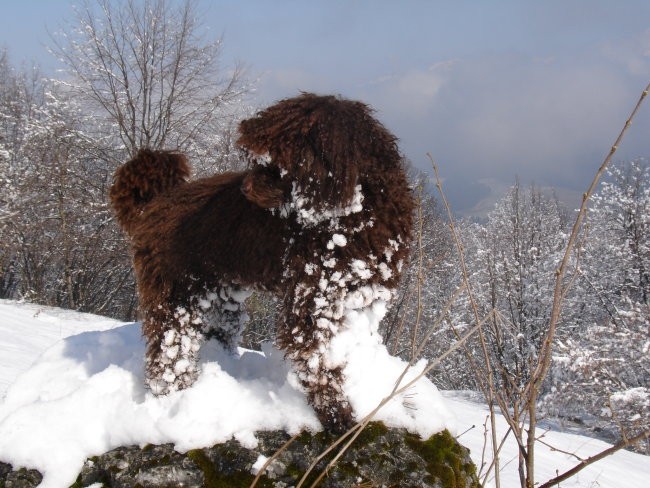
324,146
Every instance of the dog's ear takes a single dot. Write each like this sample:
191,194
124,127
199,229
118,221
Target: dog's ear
264,187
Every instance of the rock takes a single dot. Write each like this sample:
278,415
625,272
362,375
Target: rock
22,478
380,457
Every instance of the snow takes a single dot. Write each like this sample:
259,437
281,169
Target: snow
259,464
85,395
337,240
77,391
46,326
624,469
306,215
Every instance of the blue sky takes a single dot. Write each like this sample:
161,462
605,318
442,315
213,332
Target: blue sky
492,89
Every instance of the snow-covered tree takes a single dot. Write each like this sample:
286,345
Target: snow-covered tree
620,230
64,252
146,68
601,374
21,92
424,286
512,260
55,244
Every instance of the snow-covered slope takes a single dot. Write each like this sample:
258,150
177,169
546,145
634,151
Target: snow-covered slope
26,330
623,469
81,396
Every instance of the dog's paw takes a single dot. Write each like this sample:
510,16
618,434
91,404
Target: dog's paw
336,419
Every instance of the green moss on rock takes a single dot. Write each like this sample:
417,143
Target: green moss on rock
446,460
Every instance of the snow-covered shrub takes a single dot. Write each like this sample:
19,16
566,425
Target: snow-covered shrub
601,379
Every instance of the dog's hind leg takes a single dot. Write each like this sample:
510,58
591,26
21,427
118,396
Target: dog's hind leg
224,315
174,338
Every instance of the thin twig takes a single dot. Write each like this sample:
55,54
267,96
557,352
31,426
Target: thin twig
419,281
590,460
402,322
488,392
556,449
472,427
485,433
495,458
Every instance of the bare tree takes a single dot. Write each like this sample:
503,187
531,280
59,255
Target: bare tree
146,68
21,93
139,74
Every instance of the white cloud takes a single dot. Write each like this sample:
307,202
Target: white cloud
633,53
412,93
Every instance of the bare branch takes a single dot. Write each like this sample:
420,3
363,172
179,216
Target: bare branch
597,457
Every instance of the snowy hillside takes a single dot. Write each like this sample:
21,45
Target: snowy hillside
81,396
27,330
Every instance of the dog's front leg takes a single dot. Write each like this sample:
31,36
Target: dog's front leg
174,337
306,344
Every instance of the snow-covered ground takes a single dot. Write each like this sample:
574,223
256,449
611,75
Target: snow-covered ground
623,469
77,391
26,330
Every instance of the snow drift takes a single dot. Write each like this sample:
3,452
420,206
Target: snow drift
85,396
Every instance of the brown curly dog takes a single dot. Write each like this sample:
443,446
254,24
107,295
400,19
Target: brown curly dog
322,218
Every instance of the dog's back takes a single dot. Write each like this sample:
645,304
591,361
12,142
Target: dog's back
195,233
139,180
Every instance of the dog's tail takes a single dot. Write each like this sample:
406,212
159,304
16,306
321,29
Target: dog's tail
139,180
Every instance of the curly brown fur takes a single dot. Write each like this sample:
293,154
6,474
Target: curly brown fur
322,218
